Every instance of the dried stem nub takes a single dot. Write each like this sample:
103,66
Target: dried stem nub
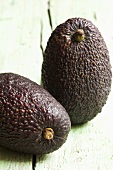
79,35
48,133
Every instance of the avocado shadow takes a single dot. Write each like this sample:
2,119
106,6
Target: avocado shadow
41,158
80,125
13,156
7,155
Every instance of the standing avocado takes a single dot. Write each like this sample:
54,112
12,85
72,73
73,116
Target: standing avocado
76,69
31,120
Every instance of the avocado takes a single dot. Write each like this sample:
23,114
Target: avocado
31,120
76,69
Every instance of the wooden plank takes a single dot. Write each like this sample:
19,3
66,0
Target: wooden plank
20,32
88,146
90,9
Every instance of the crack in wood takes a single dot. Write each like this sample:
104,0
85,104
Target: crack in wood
49,15
33,162
41,46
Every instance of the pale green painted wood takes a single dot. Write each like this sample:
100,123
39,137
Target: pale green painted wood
20,37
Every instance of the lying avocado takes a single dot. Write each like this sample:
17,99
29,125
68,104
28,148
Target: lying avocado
31,120
76,69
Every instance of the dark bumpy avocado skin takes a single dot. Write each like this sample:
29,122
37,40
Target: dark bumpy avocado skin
77,74
26,109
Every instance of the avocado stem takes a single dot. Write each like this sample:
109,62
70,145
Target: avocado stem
79,35
48,133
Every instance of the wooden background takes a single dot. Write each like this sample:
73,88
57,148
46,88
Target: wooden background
25,26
